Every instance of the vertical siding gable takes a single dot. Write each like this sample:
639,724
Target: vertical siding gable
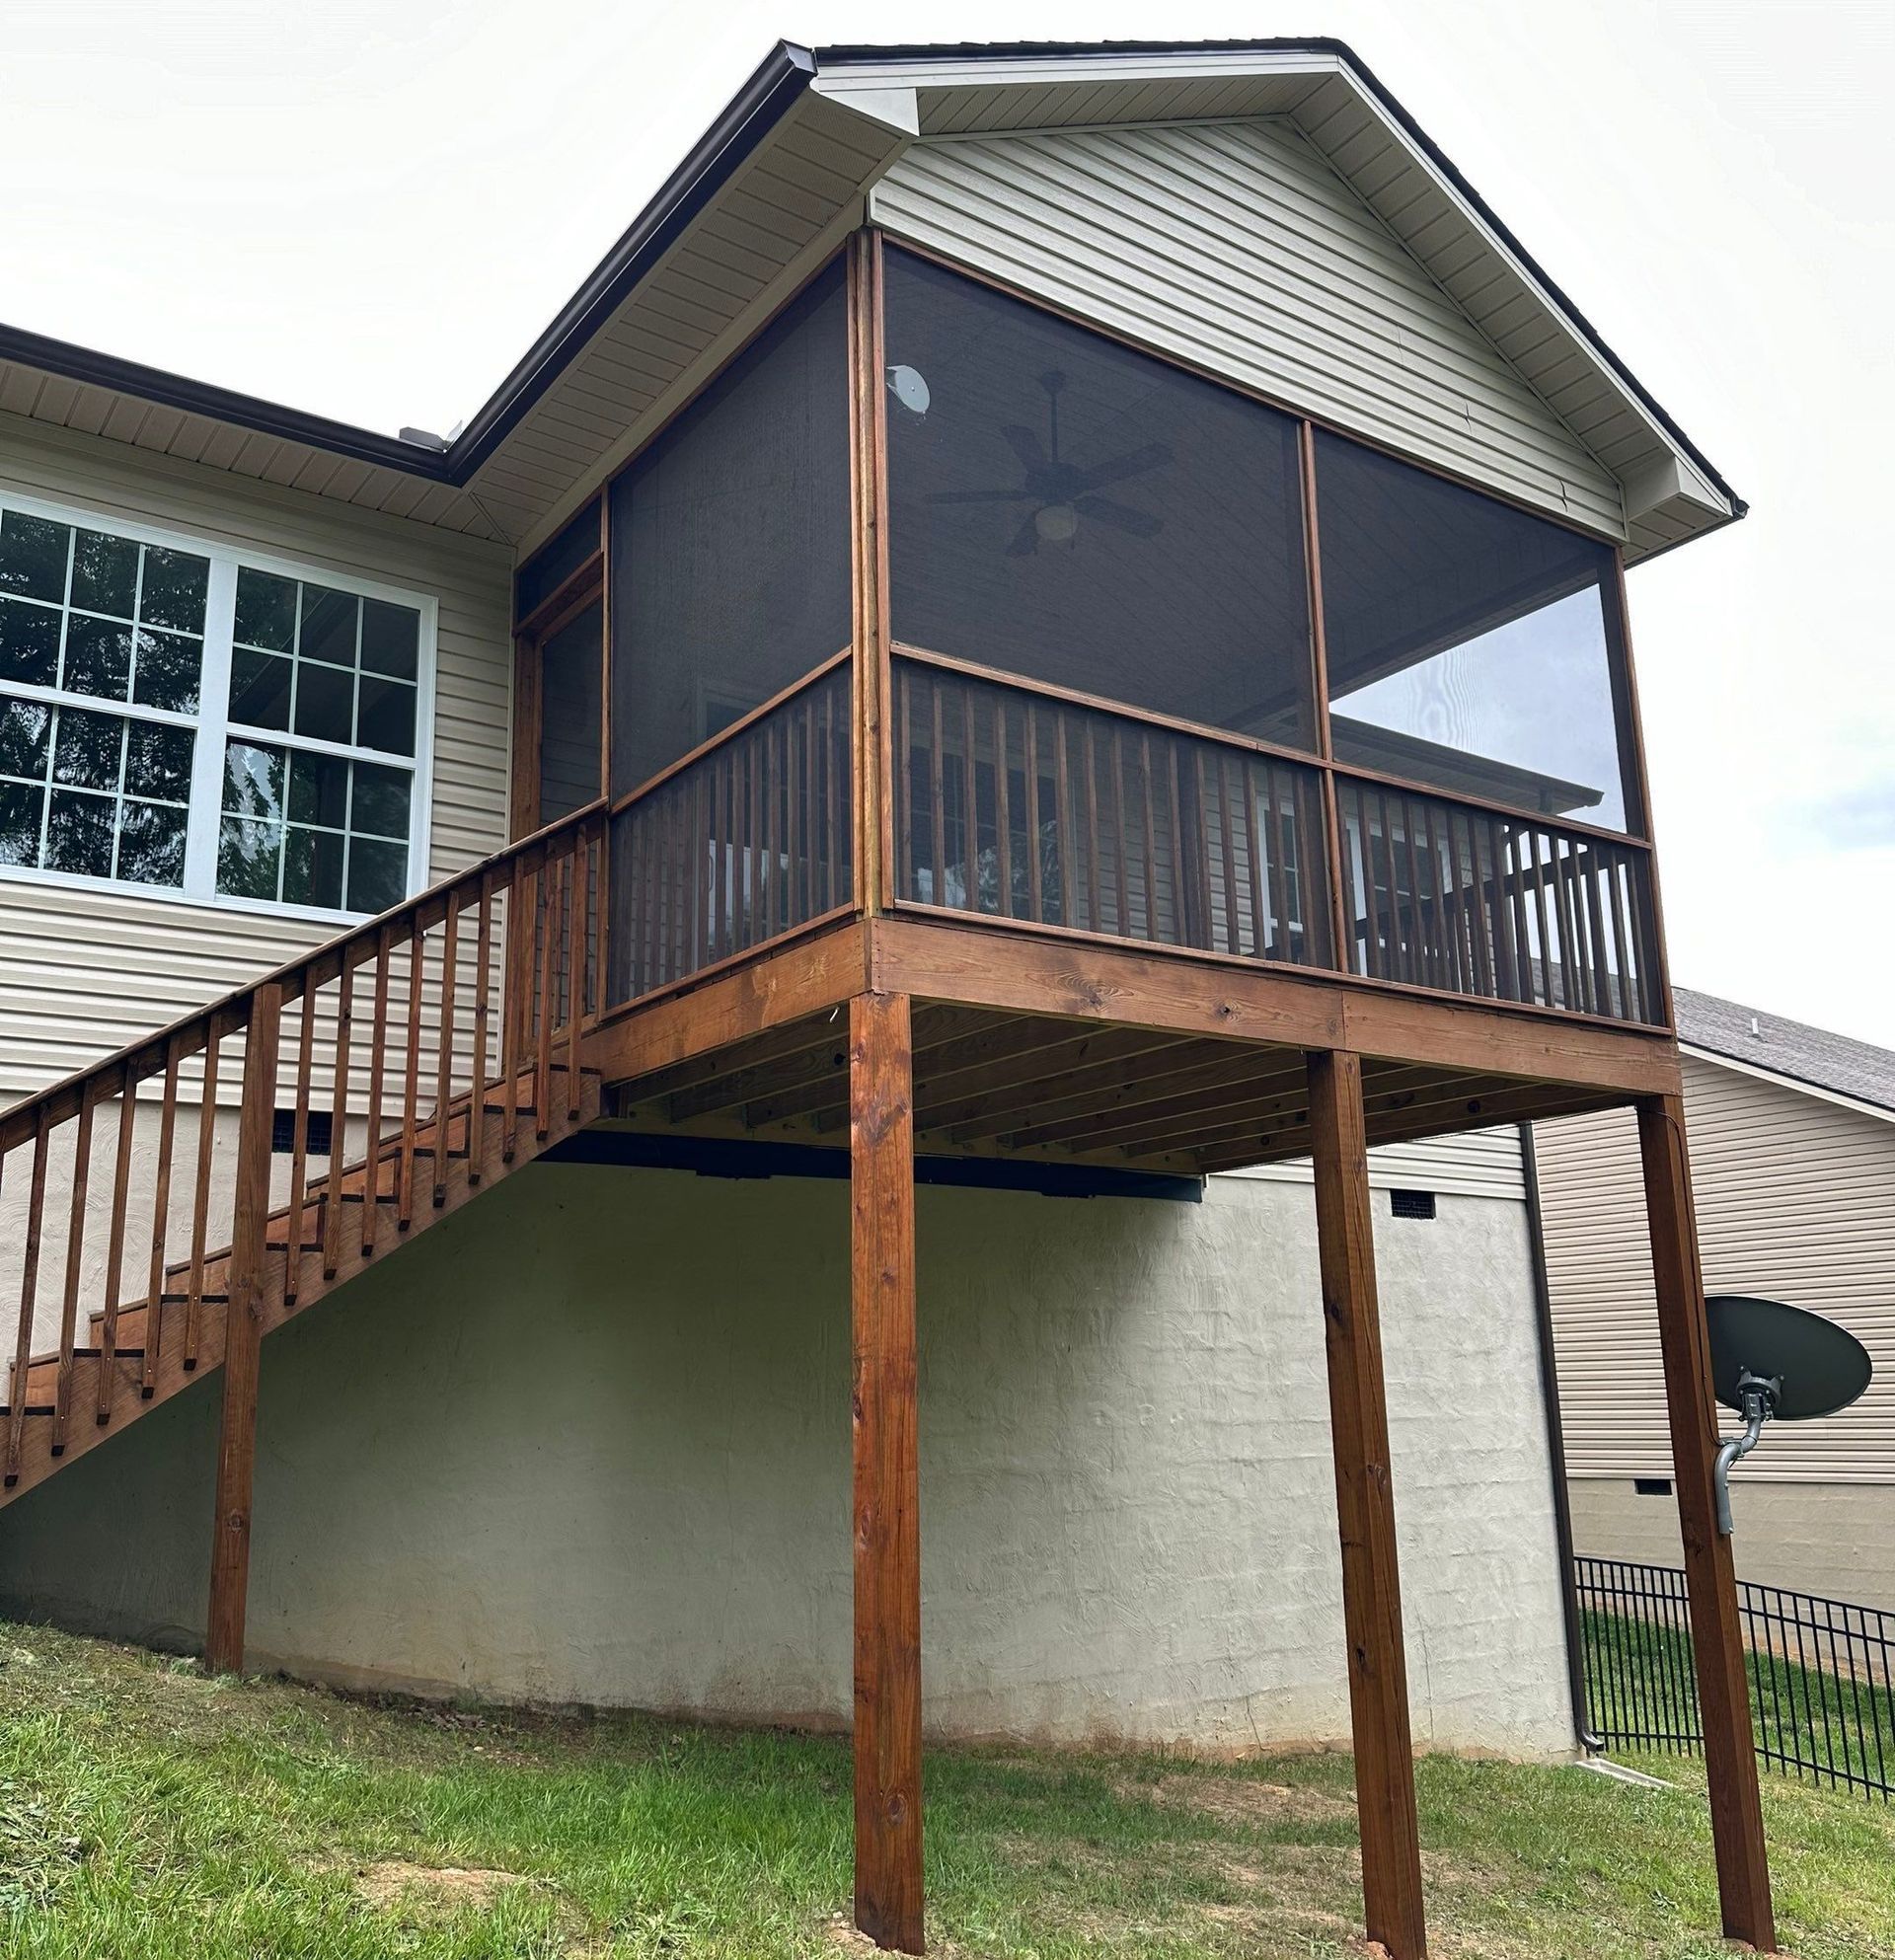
1237,247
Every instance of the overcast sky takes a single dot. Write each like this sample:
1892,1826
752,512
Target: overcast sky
370,211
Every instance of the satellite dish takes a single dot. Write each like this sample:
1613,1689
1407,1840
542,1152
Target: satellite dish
1770,1360
1817,1366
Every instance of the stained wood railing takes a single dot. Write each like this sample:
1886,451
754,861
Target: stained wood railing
426,1046
1044,808
1473,899
744,841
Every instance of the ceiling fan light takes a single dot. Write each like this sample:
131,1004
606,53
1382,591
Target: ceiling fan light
1056,523
910,387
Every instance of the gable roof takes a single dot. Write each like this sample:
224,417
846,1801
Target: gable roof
1806,1057
779,178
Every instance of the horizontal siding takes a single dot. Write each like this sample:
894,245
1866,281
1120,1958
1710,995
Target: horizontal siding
84,972
1237,247
1472,1163
1795,1201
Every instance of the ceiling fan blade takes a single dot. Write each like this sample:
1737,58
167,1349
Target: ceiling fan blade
1026,445
1026,539
1140,523
982,496
1133,463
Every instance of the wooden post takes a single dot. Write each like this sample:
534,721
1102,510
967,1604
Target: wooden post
1723,1693
887,1530
243,1335
1365,1511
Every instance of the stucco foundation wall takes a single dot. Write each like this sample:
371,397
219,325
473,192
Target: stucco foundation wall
588,1440
1833,1539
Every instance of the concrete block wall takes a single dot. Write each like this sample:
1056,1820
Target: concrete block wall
588,1440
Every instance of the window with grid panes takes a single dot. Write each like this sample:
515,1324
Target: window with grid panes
176,720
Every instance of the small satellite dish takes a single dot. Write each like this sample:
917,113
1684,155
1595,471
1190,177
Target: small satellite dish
910,389
1770,1360
1818,1367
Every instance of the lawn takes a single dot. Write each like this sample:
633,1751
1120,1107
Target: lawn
150,1813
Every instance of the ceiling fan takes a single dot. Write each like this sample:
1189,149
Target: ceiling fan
1061,493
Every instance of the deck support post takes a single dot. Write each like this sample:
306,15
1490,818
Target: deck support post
886,1518
1717,1633
242,1336
1365,1511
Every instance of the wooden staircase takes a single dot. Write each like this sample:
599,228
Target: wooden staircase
382,1082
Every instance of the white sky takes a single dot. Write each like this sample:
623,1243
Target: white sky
370,211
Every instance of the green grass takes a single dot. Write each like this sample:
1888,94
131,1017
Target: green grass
149,1813
1834,1726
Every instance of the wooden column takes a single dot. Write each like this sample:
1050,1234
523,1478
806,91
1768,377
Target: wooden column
1365,1511
1723,1693
887,1529
243,1335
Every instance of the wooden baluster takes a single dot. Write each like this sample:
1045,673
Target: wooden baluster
903,787
1096,918
511,1025
1121,839
160,1225
971,808
338,1118
299,1144
1003,814
1233,905
75,1254
546,994
1181,854
483,988
1560,893
200,1197
377,1069
29,1299
838,877
1257,825
1509,924
115,1250
1533,837
1063,818
578,897
411,1077
810,713
1035,882
1599,966
1402,937
1148,799
1420,934
444,1049
1627,1009
1473,921
937,796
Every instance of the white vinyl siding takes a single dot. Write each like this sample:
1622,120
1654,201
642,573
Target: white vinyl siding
1237,247
83,972
1795,1200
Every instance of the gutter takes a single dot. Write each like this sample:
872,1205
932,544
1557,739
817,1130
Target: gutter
1590,1740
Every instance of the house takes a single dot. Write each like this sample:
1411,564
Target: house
1049,625
1792,1153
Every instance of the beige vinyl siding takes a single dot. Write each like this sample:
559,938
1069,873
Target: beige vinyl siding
1472,1163
84,971
1795,1200
1237,247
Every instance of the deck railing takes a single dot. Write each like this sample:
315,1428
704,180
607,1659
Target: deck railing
362,1071
745,840
1471,899
1027,803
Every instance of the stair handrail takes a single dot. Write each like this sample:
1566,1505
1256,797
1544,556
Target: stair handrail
145,1056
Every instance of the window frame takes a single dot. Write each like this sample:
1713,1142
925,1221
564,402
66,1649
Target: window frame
213,726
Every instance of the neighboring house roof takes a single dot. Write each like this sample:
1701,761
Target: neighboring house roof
1812,1057
781,174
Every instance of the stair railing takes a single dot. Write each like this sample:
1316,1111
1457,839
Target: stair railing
344,1088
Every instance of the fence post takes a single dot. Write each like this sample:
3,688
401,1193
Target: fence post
243,1335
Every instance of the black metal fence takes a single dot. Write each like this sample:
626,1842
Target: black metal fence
1822,1674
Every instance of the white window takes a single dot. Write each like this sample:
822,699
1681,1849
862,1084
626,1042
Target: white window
206,723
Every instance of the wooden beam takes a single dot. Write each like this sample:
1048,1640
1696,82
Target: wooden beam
243,1338
1365,1511
887,1533
1723,1695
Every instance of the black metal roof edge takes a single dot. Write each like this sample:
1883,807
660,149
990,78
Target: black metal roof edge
1320,45
225,404
765,98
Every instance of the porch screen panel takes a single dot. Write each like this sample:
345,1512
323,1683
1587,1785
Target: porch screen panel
730,543
571,676
1472,646
1076,512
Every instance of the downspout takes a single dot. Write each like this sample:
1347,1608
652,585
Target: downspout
1589,1738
